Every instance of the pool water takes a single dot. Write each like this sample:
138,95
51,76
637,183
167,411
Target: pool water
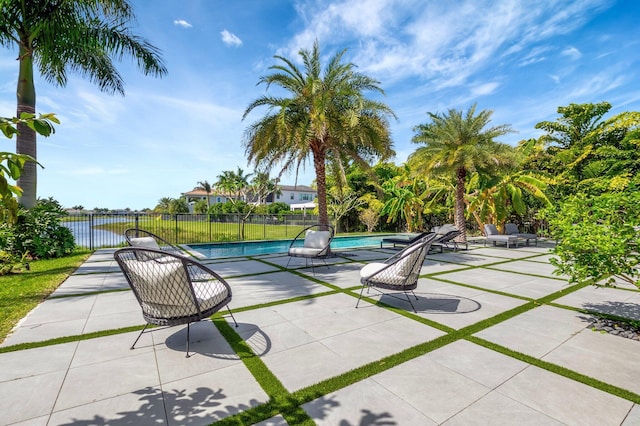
252,248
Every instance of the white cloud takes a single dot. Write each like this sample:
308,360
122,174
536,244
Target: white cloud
484,89
230,39
572,53
555,78
182,23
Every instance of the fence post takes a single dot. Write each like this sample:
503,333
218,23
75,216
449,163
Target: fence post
239,227
175,239
264,227
137,223
91,231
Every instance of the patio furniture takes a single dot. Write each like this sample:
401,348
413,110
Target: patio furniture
312,243
512,229
446,235
399,273
491,234
403,241
145,239
172,289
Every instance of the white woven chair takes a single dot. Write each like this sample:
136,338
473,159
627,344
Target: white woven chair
172,289
312,243
399,273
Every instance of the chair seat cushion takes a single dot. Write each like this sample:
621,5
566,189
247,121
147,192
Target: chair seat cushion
305,251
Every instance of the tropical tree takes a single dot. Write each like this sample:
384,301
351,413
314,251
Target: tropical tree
163,205
206,187
458,144
324,115
82,36
234,184
405,199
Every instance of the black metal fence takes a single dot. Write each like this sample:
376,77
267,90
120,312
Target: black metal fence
106,230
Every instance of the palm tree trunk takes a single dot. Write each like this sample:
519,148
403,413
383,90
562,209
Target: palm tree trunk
321,183
459,213
26,139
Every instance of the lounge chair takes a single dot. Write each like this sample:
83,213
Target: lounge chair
446,235
172,289
512,229
312,243
400,272
491,234
145,239
403,241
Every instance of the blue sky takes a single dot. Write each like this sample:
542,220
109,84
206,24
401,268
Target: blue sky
521,59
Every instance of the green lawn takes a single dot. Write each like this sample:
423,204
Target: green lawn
21,291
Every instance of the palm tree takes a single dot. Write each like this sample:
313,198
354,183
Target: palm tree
457,144
234,184
324,116
206,187
60,36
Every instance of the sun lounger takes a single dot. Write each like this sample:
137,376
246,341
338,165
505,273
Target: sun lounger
403,241
492,235
445,238
512,229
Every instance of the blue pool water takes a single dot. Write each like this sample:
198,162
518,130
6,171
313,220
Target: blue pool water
252,248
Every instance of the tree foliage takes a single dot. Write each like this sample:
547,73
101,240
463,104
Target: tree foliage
598,237
324,116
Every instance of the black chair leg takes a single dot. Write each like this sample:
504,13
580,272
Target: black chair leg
410,302
139,335
234,318
187,356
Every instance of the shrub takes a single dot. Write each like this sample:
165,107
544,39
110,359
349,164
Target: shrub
597,237
38,232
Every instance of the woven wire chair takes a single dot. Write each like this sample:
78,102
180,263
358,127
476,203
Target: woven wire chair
399,273
141,238
172,289
313,242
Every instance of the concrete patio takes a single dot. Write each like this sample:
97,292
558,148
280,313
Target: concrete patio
496,340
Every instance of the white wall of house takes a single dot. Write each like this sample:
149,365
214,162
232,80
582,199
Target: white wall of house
289,194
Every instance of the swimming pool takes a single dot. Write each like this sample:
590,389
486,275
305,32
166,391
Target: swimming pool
252,248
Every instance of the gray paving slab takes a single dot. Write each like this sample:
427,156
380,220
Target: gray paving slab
245,267
30,397
33,362
565,400
536,332
608,300
329,336
88,283
446,394
633,418
507,282
530,267
496,409
452,305
272,287
343,276
468,258
507,253
612,359
101,255
364,403
97,267
143,407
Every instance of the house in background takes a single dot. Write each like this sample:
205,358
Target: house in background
299,197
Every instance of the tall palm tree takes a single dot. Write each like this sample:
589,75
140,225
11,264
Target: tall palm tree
234,184
83,36
206,187
457,144
324,115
